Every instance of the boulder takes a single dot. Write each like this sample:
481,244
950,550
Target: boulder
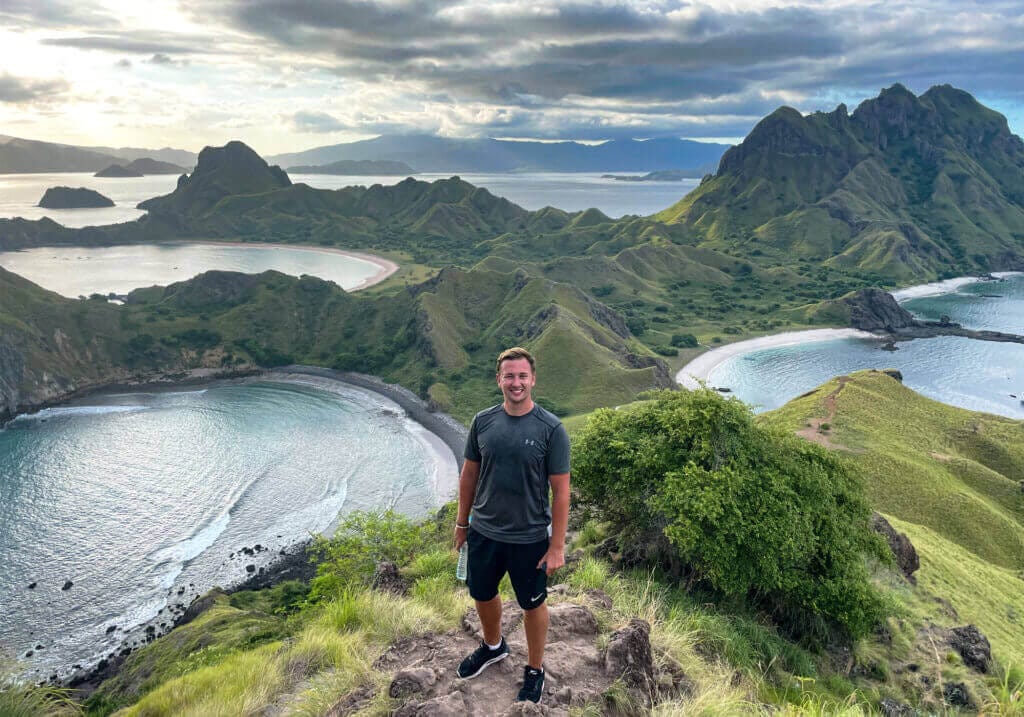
876,310
386,578
201,605
973,647
569,619
956,695
902,549
67,585
894,708
629,655
416,680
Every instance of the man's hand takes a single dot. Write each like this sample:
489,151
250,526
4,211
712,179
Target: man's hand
555,558
460,537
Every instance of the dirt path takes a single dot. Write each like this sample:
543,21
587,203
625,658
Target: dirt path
580,665
818,429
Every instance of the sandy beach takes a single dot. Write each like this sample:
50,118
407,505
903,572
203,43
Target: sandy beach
946,286
701,367
385,267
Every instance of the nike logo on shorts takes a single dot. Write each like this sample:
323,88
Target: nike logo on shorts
536,597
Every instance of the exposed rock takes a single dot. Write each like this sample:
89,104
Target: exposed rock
599,598
876,310
250,568
201,605
894,708
74,198
567,618
67,585
956,695
973,647
894,373
413,681
451,705
386,578
526,709
32,585
629,655
902,549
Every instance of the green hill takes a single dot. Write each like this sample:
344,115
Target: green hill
952,479
909,187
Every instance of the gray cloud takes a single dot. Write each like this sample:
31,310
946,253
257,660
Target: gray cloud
144,43
18,90
53,14
319,122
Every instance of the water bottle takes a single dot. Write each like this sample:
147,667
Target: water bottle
462,567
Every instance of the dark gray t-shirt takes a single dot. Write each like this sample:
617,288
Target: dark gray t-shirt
516,456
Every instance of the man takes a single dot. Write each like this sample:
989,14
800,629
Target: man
514,452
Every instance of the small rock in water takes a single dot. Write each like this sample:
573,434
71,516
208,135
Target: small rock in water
67,585
111,628
29,653
39,647
250,568
32,586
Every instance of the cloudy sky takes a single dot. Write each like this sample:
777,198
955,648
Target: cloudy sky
285,75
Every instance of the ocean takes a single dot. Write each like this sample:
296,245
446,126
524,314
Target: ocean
978,375
145,499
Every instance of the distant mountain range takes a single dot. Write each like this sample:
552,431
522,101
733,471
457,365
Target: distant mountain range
357,167
25,156
450,155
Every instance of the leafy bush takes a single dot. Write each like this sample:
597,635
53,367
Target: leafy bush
688,341
362,540
666,350
688,479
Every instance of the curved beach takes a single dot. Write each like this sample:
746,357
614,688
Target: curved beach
701,367
385,267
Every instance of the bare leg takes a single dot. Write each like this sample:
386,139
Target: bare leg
536,624
490,619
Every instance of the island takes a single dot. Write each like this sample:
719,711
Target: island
357,167
664,175
140,168
74,198
117,170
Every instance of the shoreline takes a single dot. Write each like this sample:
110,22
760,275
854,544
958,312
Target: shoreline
386,266
700,368
442,437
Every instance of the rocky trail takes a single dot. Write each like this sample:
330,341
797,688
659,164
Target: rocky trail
581,663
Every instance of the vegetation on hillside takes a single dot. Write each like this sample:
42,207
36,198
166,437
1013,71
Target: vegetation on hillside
952,480
688,479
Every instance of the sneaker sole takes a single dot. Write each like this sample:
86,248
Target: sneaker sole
484,666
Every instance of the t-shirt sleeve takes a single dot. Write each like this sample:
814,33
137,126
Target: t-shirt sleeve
472,452
558,451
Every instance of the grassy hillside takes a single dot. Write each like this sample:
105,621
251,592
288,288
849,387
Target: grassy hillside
952,479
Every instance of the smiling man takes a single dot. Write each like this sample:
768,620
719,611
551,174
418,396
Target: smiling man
515,452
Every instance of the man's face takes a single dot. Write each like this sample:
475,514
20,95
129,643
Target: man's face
516,380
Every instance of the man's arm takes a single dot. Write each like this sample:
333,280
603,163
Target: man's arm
555,557
467,492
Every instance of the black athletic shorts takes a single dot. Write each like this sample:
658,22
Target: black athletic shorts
490,559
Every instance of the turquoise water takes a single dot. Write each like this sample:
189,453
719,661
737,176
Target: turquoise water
144,500
978,375
81,271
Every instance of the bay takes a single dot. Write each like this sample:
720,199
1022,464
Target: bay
977,375
81,271
144,500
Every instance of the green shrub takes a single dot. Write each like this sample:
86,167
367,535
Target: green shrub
666,350
362,540
687,479
688,341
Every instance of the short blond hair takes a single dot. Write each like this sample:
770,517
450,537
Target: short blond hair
514,353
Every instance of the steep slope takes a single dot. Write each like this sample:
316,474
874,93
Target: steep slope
220,172
905,187
952,479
